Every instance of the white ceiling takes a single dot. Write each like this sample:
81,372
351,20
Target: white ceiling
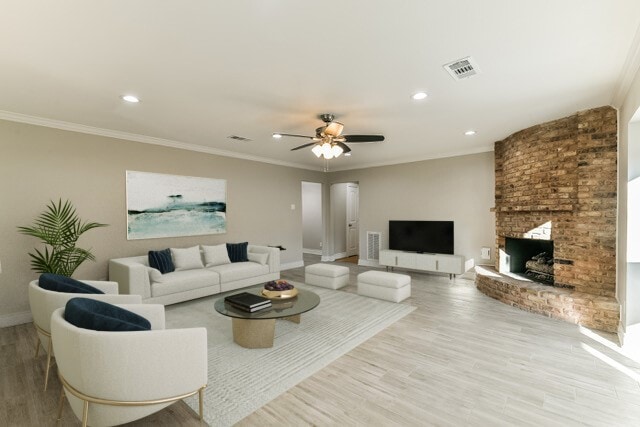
209,69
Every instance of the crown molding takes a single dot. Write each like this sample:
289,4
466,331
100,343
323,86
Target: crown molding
475,150
628,72
75,127
90,130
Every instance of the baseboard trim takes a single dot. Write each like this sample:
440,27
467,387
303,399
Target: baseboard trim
290,265
312,251
369,263
629,337
13,319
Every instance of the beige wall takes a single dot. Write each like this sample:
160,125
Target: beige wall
312,237
38,164
455,188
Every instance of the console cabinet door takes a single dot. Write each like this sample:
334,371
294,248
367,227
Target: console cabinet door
388,258
406,260
452,265
426,262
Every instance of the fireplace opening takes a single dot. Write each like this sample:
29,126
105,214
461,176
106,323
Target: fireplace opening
530,258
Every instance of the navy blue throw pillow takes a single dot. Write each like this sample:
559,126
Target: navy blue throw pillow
60,283
238,251
161,260
101,316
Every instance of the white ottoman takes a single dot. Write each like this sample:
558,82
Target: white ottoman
326,275
382,285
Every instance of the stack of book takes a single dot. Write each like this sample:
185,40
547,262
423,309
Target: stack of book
248,302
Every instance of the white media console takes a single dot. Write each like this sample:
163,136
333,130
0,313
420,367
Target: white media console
440,263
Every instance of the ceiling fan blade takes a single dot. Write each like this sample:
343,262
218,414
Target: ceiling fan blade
363,138
295,136
334,129
303,146
345,147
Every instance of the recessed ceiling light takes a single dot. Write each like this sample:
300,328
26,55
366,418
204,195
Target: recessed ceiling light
130,98
419,95
470,132
347,154
277,136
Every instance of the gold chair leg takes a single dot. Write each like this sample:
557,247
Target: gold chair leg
60,403
37,346
46,375
85,413
201,403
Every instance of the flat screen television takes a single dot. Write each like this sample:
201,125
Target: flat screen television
421,236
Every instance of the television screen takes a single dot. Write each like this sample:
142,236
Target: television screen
421,236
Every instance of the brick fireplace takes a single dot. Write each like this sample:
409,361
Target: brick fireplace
556,182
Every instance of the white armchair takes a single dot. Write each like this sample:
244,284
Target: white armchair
44,302
112,378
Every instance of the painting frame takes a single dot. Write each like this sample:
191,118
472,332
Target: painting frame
162,205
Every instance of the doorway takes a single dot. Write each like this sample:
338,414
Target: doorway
312,232
345,221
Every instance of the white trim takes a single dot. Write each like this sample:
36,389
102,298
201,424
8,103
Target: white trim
476,150
127,136
369,263
628,72
75,127
290,265
339,255
13,319
327,258
312,251
629,337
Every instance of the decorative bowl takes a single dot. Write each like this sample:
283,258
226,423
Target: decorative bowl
280,294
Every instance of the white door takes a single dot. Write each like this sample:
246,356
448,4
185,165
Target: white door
353,236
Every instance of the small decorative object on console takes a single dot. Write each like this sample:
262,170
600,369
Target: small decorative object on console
279,289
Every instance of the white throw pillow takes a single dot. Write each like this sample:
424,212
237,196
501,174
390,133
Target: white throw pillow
215,255
258,257
187,258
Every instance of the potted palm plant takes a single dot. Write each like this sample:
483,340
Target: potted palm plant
59,228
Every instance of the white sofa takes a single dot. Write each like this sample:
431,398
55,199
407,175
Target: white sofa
133,275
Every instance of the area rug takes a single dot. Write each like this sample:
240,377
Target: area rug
242,380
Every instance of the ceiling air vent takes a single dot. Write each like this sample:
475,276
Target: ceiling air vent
462,68
238,138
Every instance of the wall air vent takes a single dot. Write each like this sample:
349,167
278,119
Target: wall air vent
374,240
462,68
238,138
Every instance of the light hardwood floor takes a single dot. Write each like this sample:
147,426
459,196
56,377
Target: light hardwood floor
461,358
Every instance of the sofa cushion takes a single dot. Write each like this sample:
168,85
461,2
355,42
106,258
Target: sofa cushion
60,283
161,261
101,316
181,281
239,270
215,255
187,258
260,258
238,251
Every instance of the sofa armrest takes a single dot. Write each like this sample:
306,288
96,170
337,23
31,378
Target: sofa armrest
132,277
274,256
105,286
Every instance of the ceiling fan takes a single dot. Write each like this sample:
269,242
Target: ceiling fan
329,141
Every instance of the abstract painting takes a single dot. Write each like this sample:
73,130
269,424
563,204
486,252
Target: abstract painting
160,205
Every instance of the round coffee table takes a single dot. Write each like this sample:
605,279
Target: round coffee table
256,330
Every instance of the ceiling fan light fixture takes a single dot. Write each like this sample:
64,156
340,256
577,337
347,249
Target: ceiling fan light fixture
326,151
317,150
336,150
